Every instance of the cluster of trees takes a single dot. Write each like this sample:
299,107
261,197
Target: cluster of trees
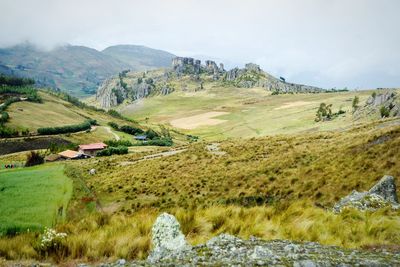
67,129
15,81
119,150
324,112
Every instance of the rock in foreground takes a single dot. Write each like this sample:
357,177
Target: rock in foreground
227,250
171,249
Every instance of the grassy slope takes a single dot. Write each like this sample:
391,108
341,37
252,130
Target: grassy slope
321,167
57,112
253,112
31,197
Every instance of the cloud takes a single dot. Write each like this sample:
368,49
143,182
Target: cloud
333,43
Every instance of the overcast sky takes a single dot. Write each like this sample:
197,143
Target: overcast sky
328,43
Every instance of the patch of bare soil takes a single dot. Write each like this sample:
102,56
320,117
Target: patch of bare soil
204,119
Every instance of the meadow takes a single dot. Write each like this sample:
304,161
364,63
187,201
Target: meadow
33,198
245,112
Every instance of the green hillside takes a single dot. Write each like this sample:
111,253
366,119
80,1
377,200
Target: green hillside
77,70
140,57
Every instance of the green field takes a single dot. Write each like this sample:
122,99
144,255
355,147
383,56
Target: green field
248,112
33,198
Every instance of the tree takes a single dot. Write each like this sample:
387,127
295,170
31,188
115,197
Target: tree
34,158
385,112
324,112
356,100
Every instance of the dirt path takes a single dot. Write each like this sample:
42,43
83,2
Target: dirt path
108,129
155,156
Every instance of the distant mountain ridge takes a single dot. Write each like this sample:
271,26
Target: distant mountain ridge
78,70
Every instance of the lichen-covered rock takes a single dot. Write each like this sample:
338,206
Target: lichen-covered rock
382,194
227,250
385,188
167,237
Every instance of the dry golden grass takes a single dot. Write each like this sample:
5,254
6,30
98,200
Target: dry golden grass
320,167
100,237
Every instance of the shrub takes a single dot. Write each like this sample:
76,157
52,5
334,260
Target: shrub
385,112
324,112
151,134
4,117
275,93
356,100
120,150
34,158
7,132
113,125
130,130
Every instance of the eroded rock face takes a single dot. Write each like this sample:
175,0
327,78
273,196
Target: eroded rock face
381,195
167,238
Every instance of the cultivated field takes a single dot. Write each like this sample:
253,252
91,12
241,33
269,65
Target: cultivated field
243,112
33,198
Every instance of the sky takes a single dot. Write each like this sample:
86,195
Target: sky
326,43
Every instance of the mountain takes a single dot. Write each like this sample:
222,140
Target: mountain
140,57
75,69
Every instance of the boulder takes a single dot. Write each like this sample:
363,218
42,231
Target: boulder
381,195
167,238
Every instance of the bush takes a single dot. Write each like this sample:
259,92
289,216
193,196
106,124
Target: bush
130,130
113,125
4,117
151,134
34,158
7,132
356,100
67,129
324,112
115,143
120,150
385,112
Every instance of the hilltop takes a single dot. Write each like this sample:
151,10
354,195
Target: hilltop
188,74
77,70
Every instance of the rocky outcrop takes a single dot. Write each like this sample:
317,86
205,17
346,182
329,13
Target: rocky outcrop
186,65
171,249
253,76
167,238
382,103
107,93
382,194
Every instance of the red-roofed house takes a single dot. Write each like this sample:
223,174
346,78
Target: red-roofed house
91,149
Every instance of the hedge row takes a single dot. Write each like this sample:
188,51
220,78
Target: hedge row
115,143
67,129
120,150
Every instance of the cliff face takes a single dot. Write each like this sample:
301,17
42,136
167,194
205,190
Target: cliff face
186,72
